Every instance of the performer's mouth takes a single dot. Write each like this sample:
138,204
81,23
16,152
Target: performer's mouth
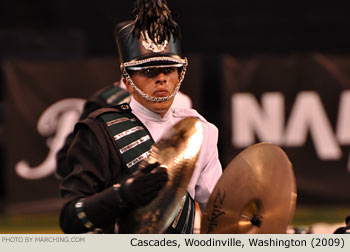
161,93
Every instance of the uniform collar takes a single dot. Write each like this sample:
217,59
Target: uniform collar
147,114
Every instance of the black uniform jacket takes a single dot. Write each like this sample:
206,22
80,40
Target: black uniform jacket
96,166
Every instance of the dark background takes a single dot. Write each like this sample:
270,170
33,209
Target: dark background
56,29
238,26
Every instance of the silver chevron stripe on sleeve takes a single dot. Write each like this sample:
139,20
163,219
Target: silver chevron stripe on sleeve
127,132
138,159
134,144
119,120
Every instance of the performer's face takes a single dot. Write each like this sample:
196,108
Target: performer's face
156,82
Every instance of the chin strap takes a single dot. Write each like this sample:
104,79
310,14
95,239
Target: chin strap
152,98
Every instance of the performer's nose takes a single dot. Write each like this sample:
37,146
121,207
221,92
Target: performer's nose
161,78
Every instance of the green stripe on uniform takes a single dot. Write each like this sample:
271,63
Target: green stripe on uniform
121,122
184,222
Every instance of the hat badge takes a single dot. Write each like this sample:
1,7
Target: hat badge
148,44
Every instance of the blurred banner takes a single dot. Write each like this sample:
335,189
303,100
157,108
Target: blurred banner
300,102
49,91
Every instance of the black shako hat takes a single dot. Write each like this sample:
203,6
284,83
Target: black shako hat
151,40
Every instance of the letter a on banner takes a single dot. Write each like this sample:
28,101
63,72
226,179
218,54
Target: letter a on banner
308,114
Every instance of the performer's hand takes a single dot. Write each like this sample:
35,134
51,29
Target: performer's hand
144,185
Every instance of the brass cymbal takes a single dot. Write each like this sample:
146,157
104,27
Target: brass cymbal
255,194
177,151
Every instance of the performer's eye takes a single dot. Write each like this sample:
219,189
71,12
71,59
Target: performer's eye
168,70
147,71
154,72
